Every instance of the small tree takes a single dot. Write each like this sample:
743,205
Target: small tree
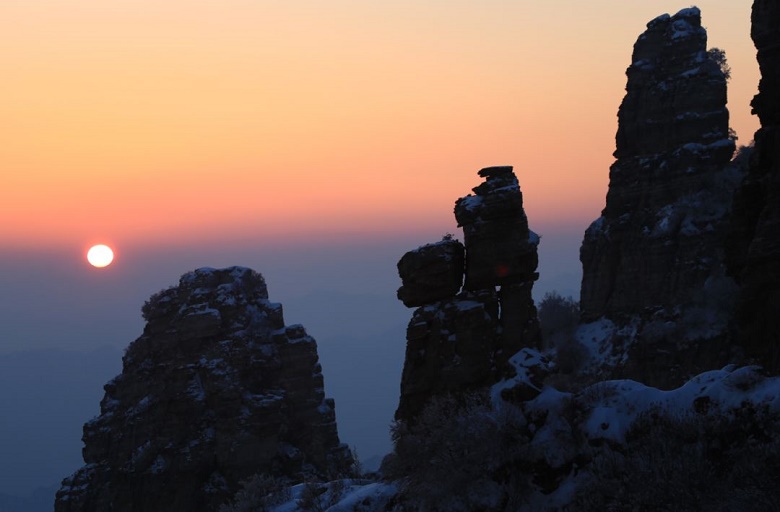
258,493
689,462
718,56
558,319
457,455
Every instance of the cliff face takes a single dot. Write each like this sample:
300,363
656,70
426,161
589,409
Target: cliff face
460,340
216,389
754,241
653,261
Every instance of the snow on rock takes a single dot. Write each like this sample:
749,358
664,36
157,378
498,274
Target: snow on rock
615,405
531,368
565,431
596,337
349,495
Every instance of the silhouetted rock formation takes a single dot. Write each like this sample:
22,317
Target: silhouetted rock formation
653,261
215,390
754,244
462,342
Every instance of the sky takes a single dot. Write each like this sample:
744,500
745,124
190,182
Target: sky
315,142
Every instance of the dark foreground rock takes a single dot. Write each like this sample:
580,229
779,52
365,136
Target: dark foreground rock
754,242
216,389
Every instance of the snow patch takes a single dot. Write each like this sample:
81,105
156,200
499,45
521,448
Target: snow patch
471,202
595,336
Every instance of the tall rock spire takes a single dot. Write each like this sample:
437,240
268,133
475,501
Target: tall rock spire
655,256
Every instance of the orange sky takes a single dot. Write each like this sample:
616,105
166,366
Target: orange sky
137,121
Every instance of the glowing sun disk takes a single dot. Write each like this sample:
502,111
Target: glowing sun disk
100,256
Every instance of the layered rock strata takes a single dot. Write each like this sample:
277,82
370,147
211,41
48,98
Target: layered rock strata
216,389
655,256
460,339
754,242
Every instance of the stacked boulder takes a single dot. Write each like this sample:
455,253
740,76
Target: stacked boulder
461,336
653,263
215,390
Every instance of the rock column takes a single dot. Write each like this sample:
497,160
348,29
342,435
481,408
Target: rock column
462,334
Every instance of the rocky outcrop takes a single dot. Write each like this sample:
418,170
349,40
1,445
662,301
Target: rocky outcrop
654,261
754,241
459,342
216,389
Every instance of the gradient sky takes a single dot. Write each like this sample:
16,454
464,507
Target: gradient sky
313,141
147,122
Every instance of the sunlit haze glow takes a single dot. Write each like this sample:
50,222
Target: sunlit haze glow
181,121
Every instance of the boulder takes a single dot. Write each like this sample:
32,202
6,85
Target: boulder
430,273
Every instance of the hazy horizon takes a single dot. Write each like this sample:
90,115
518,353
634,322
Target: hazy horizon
344,295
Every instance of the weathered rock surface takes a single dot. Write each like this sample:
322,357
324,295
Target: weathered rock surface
754,241
216,389
431,272
656,253
461,343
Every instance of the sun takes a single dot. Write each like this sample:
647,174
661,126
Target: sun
100,256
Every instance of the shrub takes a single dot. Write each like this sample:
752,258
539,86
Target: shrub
558,319
158,304
689,463
356,469
741,158
455,455
258,493
319,497
718,56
